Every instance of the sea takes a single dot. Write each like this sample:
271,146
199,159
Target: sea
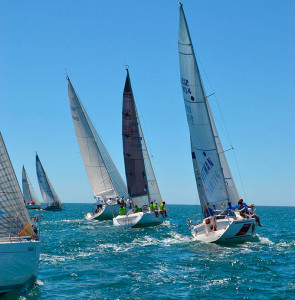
95,260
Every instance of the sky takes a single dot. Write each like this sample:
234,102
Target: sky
244,53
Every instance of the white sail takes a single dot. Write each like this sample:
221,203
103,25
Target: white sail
207,165
13,213
48,193
28,191
103,176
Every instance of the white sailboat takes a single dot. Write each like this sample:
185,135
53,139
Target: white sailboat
30,197
213,177
47,191
104,178
19,244
141,180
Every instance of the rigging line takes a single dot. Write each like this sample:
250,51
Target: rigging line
227,132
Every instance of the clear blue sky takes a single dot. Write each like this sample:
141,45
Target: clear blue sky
246,49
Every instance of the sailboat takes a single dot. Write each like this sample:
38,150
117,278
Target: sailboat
30,197
48,193
141,180
105,180
214,180
19,243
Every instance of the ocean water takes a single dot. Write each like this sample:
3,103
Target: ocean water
95,260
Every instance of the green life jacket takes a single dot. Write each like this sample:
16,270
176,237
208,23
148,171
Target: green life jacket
151,207
137,209
161,206
155,207
122,211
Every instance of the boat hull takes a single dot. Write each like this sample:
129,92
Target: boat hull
138,220
229,230
33,206
18,263
107,213
53,208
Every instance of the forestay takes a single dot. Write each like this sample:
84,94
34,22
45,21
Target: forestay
48,193
103,175
13,213
207,165
28,191
141,181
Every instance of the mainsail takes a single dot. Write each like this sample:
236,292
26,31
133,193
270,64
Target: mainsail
13,213
28,191
141,181
48,193
102,173
214,180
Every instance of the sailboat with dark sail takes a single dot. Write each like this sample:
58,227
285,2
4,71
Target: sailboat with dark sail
141,181
216,187
48,193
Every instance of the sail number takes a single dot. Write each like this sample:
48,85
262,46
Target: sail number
184,81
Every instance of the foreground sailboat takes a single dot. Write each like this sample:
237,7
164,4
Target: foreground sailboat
19,244
30,197
141,180
104,178
215,184
48,193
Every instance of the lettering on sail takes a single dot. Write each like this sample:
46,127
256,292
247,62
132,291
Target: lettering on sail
208,164
127,130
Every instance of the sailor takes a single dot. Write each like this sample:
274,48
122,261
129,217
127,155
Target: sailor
118,200
109,201
229,211
129,203
156,209
98,204
137,209
241,208
151,206
122,201
208,212
122,210
163,209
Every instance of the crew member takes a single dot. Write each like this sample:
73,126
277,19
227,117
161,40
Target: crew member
163,209
151,206
122,210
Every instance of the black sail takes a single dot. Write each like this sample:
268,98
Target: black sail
133,156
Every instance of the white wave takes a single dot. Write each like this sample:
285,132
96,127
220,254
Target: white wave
265,240
39,282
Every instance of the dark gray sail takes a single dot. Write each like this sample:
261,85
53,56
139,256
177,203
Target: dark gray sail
132,149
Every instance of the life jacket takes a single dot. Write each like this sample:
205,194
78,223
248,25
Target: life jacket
151,207
122,211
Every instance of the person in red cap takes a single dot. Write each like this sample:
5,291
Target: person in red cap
241,204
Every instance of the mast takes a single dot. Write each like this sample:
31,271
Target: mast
207,165
141,181
102,173
14,216
48,193
28,191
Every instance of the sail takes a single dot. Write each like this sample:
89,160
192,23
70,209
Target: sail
141,181
13,213
48,193
229,181
28,191
102,173
207,165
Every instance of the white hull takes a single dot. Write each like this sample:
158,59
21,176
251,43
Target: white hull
107,213
228,230
33,206
18,263
138,220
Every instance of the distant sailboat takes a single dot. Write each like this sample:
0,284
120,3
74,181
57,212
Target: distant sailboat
213,177
141,180
48,193
104,178
31,199
19,244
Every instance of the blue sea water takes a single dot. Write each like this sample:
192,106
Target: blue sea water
95,260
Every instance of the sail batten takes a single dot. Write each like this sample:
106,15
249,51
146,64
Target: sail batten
141,180
102,173
208,158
